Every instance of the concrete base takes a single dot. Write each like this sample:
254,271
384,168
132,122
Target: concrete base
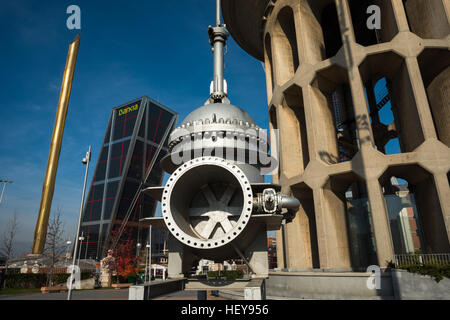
328,285
255,290
87,284
410,286
320,284
155,289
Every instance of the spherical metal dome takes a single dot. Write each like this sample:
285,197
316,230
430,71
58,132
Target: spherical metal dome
219,113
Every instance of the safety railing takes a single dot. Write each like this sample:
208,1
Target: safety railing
422,259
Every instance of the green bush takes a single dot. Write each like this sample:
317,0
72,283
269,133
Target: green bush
32,281
61,278
438,272
25,281
227,274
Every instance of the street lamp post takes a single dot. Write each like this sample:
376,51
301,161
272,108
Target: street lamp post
81,247
146,265
5,182
86,160
85,252
67,249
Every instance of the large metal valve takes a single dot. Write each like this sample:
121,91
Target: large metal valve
207,203
215,204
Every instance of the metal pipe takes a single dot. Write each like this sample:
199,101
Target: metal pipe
81,247
5,182
88,160
218,22
40,233
218,66
290,203
218,36
150,255
3,190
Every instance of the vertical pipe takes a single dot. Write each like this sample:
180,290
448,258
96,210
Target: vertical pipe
40,233
150,254
88,160
218,22
3,190
218,66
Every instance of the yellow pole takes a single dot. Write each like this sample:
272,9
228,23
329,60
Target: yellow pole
40,233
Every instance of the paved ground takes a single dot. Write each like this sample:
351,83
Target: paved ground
101,295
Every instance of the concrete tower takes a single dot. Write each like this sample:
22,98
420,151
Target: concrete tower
323,67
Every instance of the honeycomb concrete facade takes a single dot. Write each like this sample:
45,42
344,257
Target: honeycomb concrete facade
317,52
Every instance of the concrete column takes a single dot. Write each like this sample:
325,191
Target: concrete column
257,252
268,65
400,15
309,35
429,19
380,222
420,96
334,252
443,191
429,194
299,239
175,257
439,97
279,234
292,162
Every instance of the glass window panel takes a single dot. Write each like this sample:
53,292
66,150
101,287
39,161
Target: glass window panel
98,192
118,158
120,149
92,241
100,172
104,155
103,235
158,121
101,165
111,190
125,120
94,204
109,203
118,130
156,173
87,212
148,207
96,211
127,197
141,132
135,170
150,152
108,132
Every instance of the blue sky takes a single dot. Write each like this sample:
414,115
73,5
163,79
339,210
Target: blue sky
128,49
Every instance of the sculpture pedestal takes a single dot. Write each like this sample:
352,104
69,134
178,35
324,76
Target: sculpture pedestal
105,279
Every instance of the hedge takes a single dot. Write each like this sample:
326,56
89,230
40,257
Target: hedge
36,281
438,272
227,274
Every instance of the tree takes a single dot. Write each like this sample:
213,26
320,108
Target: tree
55,244
125,257
9,235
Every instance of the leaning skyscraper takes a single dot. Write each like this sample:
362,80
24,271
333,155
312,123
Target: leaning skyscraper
135,141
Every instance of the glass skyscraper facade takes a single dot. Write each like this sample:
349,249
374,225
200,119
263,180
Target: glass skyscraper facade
135,142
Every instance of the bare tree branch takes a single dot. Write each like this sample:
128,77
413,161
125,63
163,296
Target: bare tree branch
55,243
8,238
